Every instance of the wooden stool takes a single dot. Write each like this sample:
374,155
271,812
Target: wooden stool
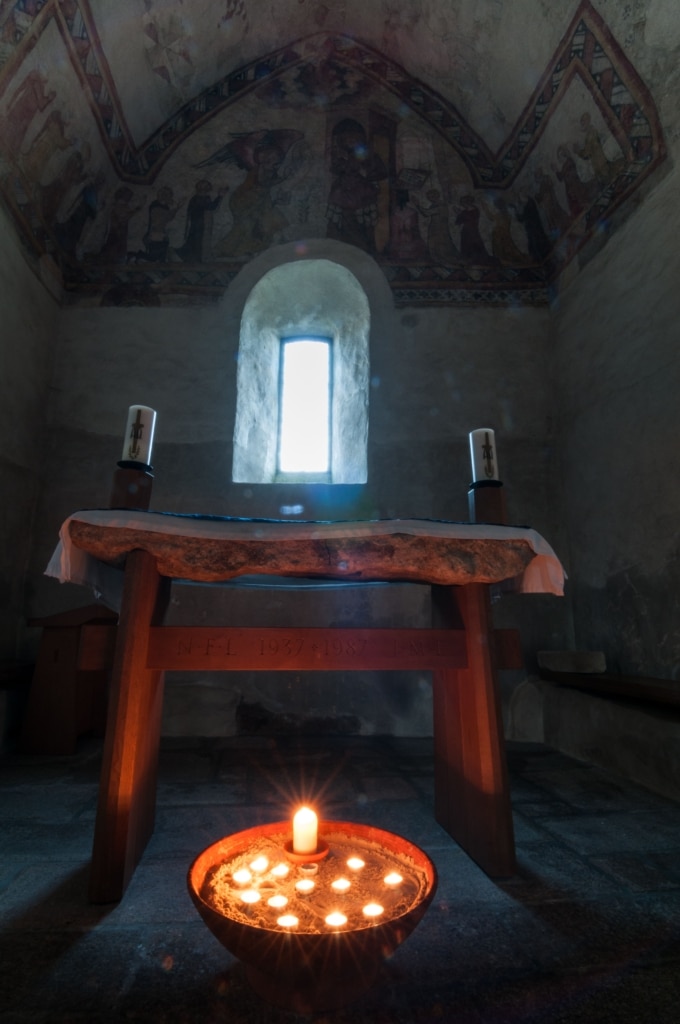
65,700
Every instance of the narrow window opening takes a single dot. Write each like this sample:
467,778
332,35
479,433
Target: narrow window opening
305,377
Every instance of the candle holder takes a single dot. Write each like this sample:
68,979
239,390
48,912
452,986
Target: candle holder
486,502
312,942
131,486
306,858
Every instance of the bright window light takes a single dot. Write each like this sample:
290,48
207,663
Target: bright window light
304,445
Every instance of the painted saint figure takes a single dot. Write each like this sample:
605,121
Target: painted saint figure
472,246
156,241
197,238
352,211
406,242
115,247
503,244
605,170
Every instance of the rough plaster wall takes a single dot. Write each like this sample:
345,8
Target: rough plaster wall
617,357
25,360
435,375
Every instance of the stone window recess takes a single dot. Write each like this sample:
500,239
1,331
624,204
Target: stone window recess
304,298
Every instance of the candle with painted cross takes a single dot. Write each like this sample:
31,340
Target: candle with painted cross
139,431
483,455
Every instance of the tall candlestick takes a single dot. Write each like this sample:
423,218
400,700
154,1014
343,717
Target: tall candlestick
483,455
305,824
138,440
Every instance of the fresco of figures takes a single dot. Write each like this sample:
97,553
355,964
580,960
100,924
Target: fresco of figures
325,147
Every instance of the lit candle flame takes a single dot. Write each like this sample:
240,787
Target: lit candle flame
250,896
336,919
259,865
277,901
373,910
280,871
287,921
305,885
340,885
242,876
393,879
355,863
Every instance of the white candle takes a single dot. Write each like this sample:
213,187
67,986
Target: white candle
138,440
305,824
242,876
393,878
259,865
340,885
277,901
287,921
483,455
280,871
250,896
304,886
355,863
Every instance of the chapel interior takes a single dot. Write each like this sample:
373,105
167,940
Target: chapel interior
477,200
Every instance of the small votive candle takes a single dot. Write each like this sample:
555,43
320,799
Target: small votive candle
280,870
277,901
372,910
242,876
340,885
355,863
336,919
250,896
393,879
287,921
259,865
304,886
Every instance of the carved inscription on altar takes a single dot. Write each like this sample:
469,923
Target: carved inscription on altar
225,649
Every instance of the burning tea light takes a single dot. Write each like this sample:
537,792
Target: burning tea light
305,826
340,885
355,863
336,920
259,865
250,896
242,876
393,879
280,870
304,886
372,910
277,901
287,921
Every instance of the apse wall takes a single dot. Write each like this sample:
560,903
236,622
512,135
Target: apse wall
25,364
618,360
435,374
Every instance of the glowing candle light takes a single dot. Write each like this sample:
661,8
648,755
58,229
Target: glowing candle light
250,896
242,876
259,865
372,910
336,919
287,921
393,879
340,885
277,901
355,863
304,886
305,825
280,870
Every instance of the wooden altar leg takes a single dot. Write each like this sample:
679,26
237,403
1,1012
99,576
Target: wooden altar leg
472,797
127,790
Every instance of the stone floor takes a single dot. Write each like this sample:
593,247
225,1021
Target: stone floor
587,931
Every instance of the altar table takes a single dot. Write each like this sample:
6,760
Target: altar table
147,550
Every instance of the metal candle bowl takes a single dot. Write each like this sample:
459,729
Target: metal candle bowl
306,971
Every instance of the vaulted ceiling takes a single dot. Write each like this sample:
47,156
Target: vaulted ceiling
149,148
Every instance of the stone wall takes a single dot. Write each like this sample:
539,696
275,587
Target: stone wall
28,313
619,364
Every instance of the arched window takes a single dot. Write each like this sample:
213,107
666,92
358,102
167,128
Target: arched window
319,302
